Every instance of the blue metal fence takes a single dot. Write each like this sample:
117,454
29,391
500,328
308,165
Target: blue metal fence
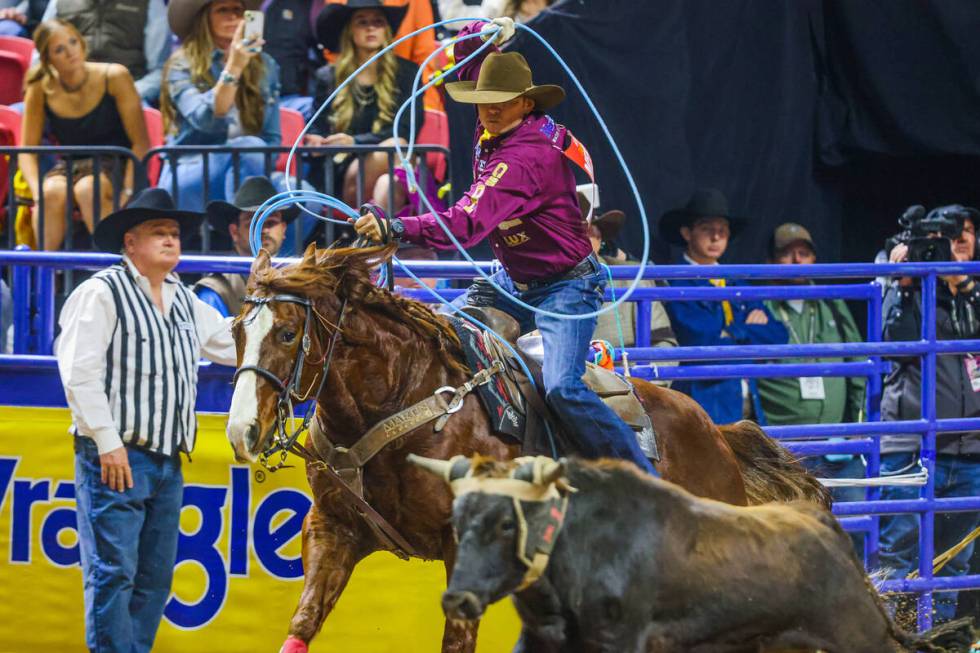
34,328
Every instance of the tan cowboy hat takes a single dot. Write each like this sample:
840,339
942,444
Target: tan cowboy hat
503,77
181,14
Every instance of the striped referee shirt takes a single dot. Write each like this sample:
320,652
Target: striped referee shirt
130,371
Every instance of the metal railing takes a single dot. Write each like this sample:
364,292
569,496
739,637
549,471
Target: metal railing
34,328
306,160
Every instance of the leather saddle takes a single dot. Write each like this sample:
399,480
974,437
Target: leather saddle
614,390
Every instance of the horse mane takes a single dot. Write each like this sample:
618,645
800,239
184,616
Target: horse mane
346,273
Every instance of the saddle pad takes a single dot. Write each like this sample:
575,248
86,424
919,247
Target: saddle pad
505,418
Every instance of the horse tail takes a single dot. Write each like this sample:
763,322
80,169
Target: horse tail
951,637
770,472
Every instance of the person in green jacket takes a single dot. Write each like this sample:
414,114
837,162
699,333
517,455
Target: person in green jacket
814,400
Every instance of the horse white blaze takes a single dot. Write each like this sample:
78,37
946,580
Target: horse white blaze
243,413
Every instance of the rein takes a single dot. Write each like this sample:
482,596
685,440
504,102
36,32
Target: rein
288,392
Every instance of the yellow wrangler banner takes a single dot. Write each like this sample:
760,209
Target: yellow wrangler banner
239,573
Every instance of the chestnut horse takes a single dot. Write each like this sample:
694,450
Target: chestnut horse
383,353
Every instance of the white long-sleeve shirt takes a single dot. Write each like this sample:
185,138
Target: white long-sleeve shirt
88,321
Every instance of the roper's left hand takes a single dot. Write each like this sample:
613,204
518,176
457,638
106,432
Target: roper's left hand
506,26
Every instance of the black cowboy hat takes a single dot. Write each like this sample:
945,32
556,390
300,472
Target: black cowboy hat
149,204
332,18
253,192
704,203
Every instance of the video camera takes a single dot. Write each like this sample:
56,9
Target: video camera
929,236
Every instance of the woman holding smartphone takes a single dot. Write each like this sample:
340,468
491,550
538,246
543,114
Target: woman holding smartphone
219,88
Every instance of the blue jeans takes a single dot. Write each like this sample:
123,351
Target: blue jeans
849,467
12,28
221,174
128,544
956,476
594,429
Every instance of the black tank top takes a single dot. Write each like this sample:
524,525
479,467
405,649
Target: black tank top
100,126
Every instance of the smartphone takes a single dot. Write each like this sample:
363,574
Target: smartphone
254,24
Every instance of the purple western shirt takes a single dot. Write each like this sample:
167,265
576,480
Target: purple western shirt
523,197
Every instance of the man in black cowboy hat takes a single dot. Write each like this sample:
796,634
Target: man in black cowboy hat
523,200
703,227
130,340
621,325
224,291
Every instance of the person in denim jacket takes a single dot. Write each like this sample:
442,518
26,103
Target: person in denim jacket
219,89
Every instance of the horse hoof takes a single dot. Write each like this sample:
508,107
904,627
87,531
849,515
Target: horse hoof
294,645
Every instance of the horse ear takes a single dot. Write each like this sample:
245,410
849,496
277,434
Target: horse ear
309,256
261,262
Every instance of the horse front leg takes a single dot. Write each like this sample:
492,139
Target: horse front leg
457,636
330,552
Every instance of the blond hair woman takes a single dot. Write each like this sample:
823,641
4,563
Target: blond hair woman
364,111
82,103
218,89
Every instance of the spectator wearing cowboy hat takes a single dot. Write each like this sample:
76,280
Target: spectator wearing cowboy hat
523,199
620,330
131,338
224,291
218,89
703,227
363,112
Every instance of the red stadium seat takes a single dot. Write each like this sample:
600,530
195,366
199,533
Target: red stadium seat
12,70
10,119
291,123
23,48
435,131
154,129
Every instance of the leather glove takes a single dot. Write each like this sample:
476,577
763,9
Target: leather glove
506,26
481,293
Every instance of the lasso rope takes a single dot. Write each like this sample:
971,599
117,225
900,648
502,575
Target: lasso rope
291,196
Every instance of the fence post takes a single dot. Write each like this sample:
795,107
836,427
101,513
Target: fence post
21,279
44,315
872,395
927,453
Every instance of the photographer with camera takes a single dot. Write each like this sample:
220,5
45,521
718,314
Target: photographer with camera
946,233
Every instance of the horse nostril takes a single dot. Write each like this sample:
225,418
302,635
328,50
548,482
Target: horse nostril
252,437
461,605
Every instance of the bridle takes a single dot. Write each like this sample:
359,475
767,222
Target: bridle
290,390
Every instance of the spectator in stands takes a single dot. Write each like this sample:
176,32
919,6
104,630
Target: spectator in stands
20,17
224,291
520,10
363,112
128,32
602,232
957,395
703,227
83,103
289,40
219,89
814,400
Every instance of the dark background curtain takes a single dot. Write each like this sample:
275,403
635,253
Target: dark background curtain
836,114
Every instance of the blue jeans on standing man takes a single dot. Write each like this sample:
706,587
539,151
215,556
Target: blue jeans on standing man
128,545
594,429
956,476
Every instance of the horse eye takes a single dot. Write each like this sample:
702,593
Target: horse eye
507,526
287,336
